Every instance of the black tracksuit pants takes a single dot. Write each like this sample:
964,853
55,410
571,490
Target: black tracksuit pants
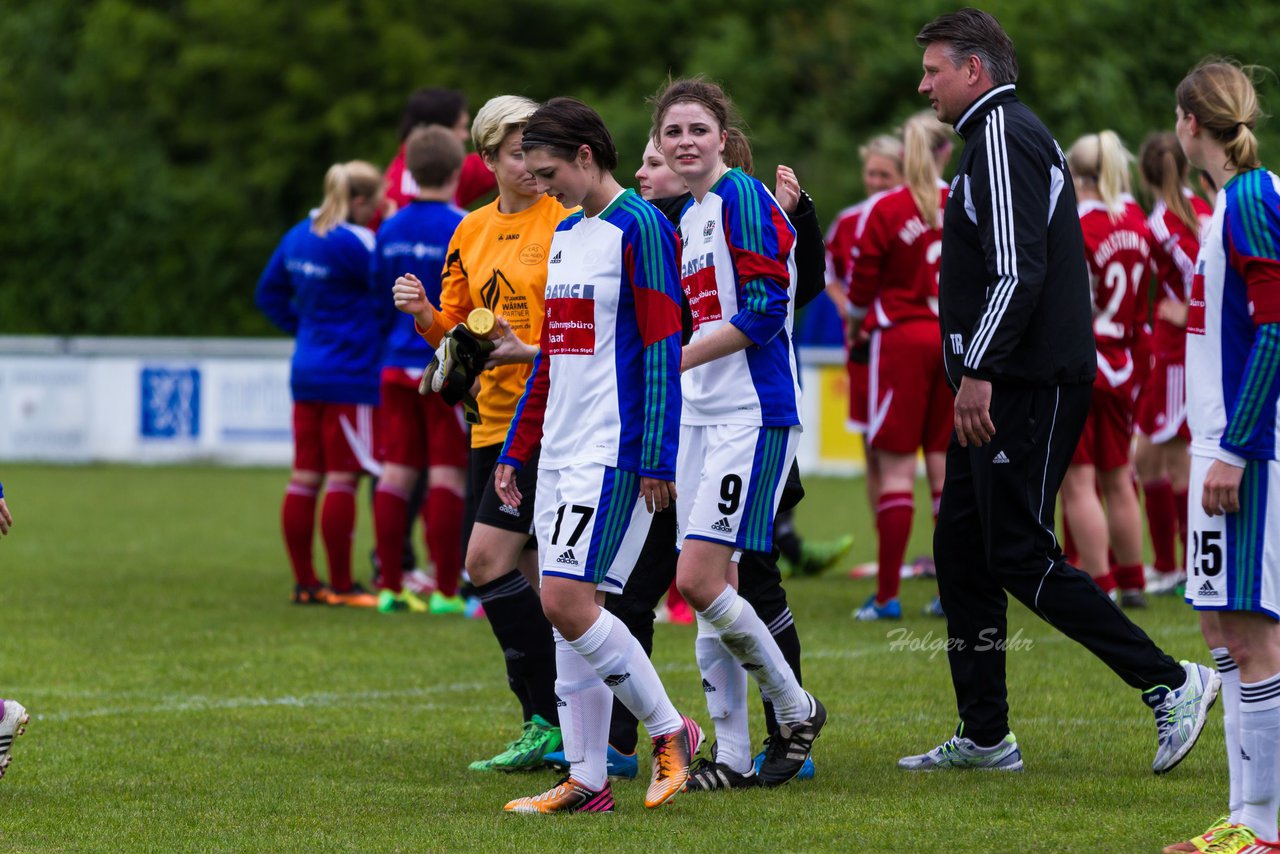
995,535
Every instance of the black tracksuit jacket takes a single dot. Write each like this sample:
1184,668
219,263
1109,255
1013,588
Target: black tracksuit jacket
1014,299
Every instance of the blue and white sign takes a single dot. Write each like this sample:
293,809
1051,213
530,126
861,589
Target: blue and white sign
170,398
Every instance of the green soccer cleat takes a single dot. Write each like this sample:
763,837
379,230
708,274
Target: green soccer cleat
527,752
817,558
389,602
442,604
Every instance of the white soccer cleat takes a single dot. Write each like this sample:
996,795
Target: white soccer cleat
13,723
1181,713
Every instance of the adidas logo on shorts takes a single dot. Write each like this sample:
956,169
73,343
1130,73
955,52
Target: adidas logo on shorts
567,558
509,510
616,679
723,525
1000,458
707,687
1207,589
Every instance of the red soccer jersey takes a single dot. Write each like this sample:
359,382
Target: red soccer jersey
1174,248
895,260
841,237
1119,258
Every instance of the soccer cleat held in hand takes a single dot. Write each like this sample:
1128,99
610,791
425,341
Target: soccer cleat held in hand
453,370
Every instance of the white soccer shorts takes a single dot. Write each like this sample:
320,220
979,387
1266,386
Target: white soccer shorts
591,524
729,482
1233,561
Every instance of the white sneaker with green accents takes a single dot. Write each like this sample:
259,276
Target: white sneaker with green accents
960,752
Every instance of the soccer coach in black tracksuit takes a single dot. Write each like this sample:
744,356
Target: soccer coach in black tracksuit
1017,331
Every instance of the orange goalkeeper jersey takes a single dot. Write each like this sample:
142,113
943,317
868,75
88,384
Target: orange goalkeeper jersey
498,261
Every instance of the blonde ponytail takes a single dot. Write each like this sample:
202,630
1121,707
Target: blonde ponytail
1222,97
342,183
1102,160
920,168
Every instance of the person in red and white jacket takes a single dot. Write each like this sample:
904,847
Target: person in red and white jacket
1118,255
1160,454
893,291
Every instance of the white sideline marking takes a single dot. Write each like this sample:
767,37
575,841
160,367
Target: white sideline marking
201,703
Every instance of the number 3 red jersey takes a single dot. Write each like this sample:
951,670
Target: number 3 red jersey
895,260
1118,253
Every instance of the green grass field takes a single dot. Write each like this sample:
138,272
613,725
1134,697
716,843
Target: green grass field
179,703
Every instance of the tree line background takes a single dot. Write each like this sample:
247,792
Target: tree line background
153,153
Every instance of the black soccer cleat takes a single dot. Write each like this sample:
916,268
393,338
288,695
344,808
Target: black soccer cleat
790,747
708,775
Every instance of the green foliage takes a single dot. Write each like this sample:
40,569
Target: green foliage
152,154
179,704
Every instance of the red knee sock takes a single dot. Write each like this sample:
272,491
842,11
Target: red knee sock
1162,519
390,510
338,528
443,515
893,527
1129,576
298,520
1069,550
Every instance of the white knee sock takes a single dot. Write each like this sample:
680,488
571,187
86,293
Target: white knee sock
620,661
1260,740
725,684
744,634
1231,727
586,706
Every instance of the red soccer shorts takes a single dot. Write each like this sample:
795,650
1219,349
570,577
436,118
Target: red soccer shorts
1108,431
419,430
1162,403
336,437
909,401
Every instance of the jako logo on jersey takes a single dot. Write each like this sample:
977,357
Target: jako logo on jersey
957,344
616,679
567,558
570,291
508,237
555,259
1000,457
722,525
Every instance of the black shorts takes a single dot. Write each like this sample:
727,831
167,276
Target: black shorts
483,497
